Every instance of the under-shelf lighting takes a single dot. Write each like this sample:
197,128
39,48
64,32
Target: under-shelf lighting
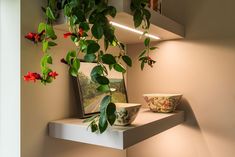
133,30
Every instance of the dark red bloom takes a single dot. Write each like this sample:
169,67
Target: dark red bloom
30,35
53,74
66,35
35,37
80,32
150,61
32,77
63,61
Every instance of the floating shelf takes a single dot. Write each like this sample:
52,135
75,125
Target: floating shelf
161,26
146,125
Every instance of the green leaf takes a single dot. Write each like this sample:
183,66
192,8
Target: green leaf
73,20
97,70
146,13
106,100
103,124
108,59
44,46
84,26
97,31
67,10
76,64
103,88
90,57
106,44
104,103
51,43
49,59
83,45
74,38
73,72
50,32
146,41
127,60
92,17
110,112
153,48
90,119
50,13
93,48
142,64
101,7
122,46
69,56
143,58
45,72
46,59
80,14
94,127
102,80
119,68
112,11
41,27
109,34
143,53
138,17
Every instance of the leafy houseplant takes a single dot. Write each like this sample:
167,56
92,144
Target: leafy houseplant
85,16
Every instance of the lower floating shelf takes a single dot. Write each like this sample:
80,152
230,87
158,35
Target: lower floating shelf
146,125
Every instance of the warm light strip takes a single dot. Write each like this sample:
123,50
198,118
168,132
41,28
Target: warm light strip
133,30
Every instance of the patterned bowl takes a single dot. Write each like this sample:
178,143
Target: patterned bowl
162,103
126,113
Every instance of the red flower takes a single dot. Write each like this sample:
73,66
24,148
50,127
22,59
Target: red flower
35,37
80,32
66,35
53,74
32,77
30,35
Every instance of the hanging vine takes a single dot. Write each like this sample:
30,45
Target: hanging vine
85,16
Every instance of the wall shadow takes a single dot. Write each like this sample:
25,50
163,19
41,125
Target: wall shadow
190,118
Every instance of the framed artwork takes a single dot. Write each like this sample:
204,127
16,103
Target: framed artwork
88,98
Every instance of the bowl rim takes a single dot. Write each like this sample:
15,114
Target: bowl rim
127,105
162,94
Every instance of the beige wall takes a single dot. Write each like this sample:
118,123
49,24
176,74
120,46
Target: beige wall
202,68
41,104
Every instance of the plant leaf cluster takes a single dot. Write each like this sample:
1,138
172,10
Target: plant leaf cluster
85,17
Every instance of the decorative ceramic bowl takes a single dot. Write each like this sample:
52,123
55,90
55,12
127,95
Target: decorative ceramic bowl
163,103
126,113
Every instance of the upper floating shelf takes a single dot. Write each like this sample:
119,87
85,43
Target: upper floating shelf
161,26
146,125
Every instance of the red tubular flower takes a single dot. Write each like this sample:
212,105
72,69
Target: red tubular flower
35,37
80,32
32,77
53,74
66,35
30,36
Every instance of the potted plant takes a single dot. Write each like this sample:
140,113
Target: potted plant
83,16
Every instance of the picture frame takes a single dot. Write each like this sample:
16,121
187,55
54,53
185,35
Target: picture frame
88,98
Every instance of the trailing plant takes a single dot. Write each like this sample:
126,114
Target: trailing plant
83,17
